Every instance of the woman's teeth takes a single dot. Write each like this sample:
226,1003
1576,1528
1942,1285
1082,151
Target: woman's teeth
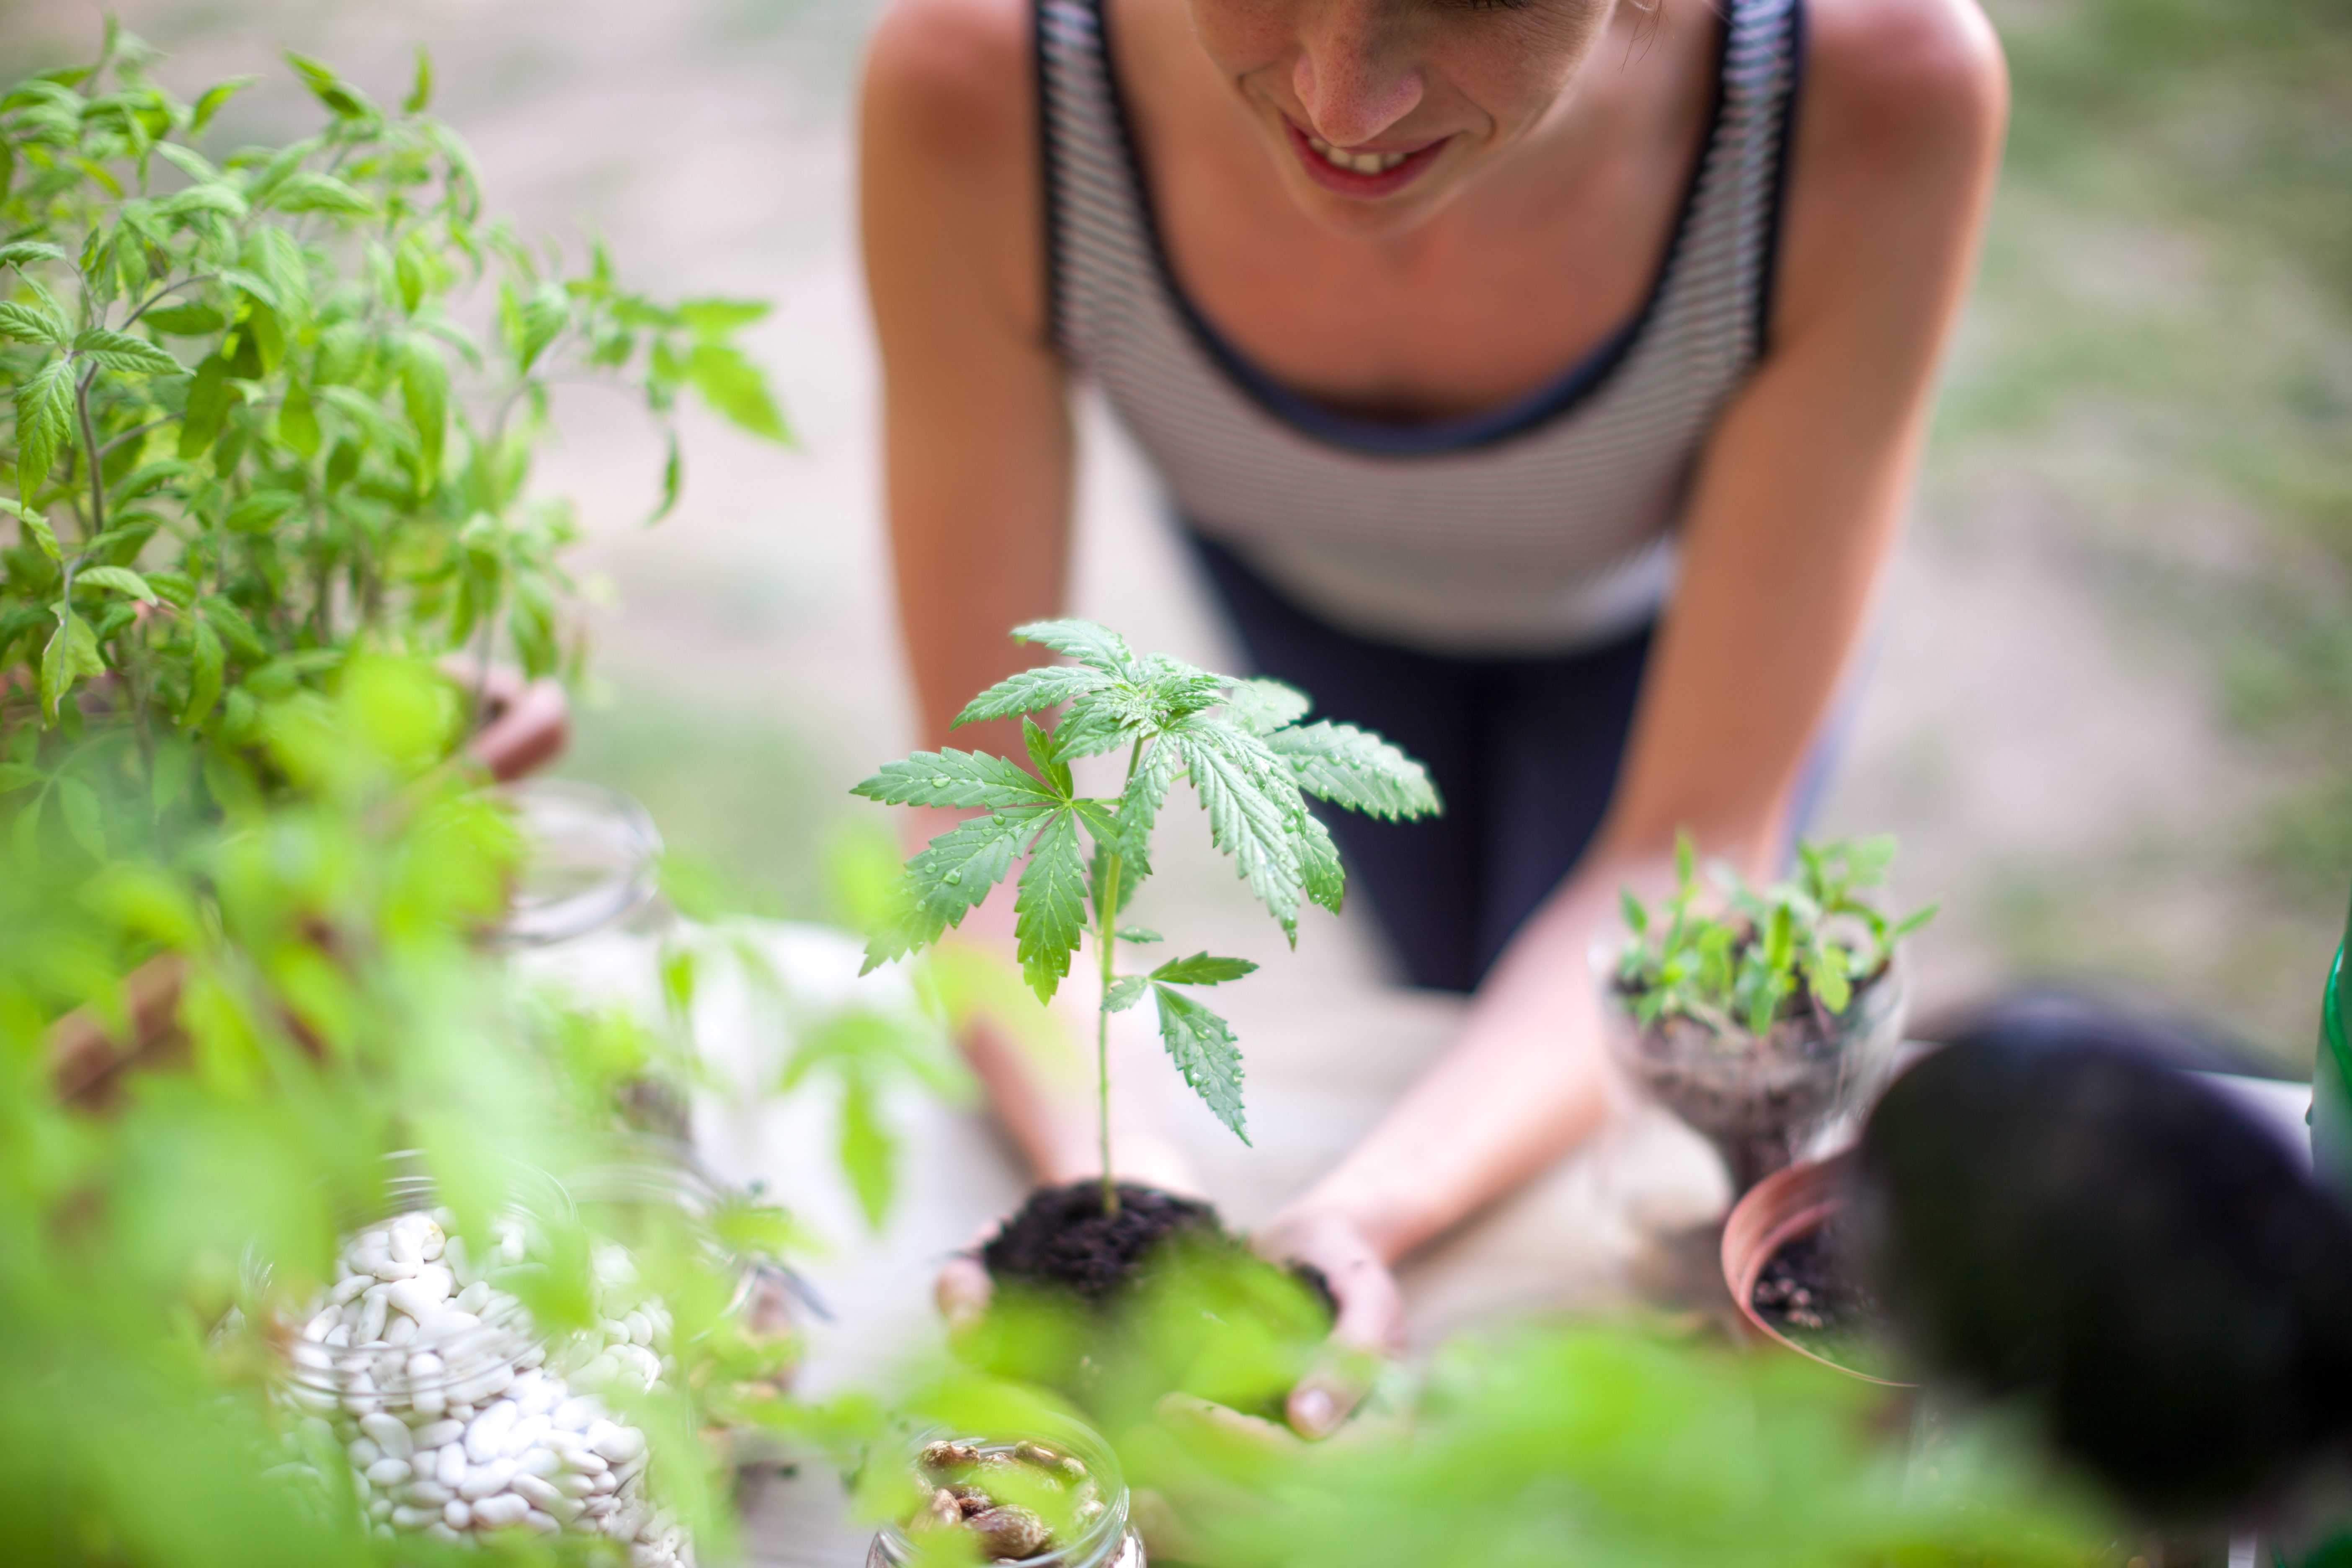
1356,163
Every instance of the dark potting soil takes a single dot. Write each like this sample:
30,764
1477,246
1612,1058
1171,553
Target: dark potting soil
1062,1239
1809,1293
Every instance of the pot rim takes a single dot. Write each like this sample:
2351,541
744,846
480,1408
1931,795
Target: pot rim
1792,1201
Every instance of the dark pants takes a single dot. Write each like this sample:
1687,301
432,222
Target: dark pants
1525,752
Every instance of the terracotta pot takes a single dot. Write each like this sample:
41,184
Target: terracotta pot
524,725
1792,1202
86,1057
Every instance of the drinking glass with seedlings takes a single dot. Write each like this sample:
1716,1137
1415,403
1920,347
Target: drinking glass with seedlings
1251,763
1761,1018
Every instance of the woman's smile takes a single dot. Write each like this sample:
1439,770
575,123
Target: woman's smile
1366,173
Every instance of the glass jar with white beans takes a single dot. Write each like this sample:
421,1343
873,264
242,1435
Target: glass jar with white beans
455,1415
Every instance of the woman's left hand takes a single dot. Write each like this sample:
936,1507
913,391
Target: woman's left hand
1371,1323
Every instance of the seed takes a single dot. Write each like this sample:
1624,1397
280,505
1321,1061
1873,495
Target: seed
457,1514
620,1444
391,1435
414,1518
387,1472
364,1453
502,1510
1011,1531
426,1494
450,1468
941,1458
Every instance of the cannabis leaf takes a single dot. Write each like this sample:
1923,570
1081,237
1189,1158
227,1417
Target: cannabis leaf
1251,767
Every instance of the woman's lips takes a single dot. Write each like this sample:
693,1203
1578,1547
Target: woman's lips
1399,170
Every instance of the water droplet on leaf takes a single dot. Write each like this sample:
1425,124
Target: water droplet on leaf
953,877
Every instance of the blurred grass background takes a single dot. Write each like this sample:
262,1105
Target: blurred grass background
2110,710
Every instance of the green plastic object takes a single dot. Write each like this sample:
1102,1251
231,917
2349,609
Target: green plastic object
2331,1077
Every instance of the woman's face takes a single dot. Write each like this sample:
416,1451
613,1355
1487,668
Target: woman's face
1378,111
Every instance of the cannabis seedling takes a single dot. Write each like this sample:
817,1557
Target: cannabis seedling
1250,761
1809,939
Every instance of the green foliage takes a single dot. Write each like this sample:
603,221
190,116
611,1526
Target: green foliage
248,429
1598,1444
336,1009
1250,761
1808,940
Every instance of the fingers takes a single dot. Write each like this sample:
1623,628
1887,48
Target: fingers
1369,1324
962,1292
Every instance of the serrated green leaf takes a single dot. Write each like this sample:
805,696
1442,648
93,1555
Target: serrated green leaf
121,579
210,103
188,160
1050,912
29,324
424,392
1320,871
44,423
1261,707
1202,1045
673,481
185,321
1031,691
298,419
954,778
1124,992
1104,719
736,390
420,95
71,656
946,878
1912,922
1096,646
1355,769
1140,802
869,1153
208,659
259,511
716,318
344,100
19,252
215,197
1241,786
234,629
77,803
1203,970
1139,935
122,352
36,529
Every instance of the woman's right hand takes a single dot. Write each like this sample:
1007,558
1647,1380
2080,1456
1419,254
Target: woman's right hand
1369,1325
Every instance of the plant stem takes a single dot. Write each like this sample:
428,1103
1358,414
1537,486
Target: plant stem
1105,944
92,453
1106,939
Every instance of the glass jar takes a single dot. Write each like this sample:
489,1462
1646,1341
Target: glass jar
590,858
1108,1542
443,1396
1761,1101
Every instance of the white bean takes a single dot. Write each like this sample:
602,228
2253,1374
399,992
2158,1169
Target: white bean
502,1510
573,1485
426,1494
619,1444
524,1433
392,1268
474,1297
575,1412
490,1478
458,1513
399,1330
405,1246
380,1509
372,1309
434,1434
440,1530
347,1289
641,1328
426,1367
544,1524
388,1472
487,1433
406,1517
391,1435
450,1470
542,1493
364,1453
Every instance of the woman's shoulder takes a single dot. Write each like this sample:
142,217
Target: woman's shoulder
947,71
1886,70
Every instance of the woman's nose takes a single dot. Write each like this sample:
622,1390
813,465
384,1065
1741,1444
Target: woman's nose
1354,77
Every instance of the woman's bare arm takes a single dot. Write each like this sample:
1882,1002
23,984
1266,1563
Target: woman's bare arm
1793,515
978,454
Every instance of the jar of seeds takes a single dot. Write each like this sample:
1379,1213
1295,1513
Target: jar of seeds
1041,1499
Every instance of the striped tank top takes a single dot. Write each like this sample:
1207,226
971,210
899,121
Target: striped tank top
1539,528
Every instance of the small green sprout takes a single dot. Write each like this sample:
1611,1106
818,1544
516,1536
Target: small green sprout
1250,763
1808,941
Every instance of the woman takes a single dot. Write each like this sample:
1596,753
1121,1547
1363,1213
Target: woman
1542,383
